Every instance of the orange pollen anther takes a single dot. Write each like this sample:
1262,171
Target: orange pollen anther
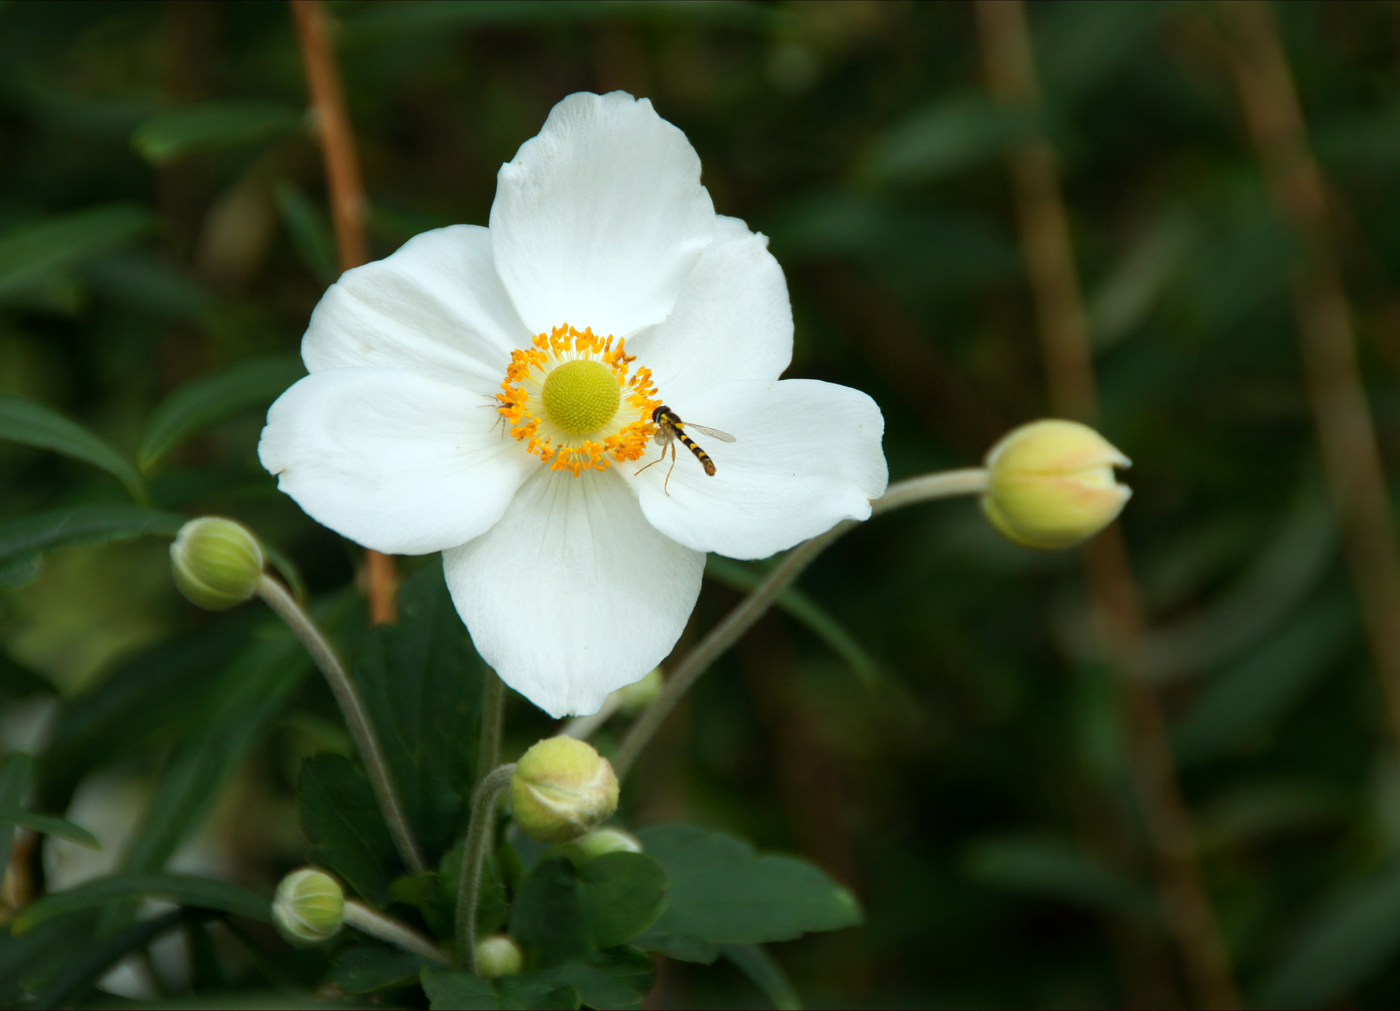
624,438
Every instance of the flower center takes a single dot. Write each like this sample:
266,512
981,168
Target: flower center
569,398
581,396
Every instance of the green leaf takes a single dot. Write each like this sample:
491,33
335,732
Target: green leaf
341,817
722,892
421,682
793,601
367,968
35,252
33,424
81,974
1354,934
49,825
146,695
952,134
27,537
19,682
184,889
245,700
168,135
767,975
309,230
202,402
451,989
32,962
562,912
1056,870
15,775
617,978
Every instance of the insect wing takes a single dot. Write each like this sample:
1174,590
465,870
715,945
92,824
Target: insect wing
712,433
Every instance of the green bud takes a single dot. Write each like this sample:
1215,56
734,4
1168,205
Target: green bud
602,841
309,907
498,955
216,562
635,697
1052,484
561,789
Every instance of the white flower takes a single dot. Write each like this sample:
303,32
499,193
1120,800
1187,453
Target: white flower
429,421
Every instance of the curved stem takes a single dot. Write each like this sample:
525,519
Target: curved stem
738,621
386,928
361,729
474,859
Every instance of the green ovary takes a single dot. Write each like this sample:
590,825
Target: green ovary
581,396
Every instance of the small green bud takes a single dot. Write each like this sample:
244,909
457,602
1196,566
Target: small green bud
561,789
309,907
1052,485
635,697
216,562
498,955
607,840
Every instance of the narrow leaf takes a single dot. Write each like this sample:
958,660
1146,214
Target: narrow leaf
1054,869
35,252
202,402
33,424
953,134
168,135
46,824
185,889
27,537
766,974
309,230
15,775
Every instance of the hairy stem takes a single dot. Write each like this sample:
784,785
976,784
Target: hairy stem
337,138
386,928
479,836
493,704
361,729
752,607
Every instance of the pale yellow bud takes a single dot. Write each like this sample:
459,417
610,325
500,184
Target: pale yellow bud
635,697
216,562
498,955
562,788
607,840
1051,484
309,907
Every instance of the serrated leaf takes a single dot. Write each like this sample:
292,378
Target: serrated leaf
366,968
723,892
202,402
451,989
35,252
1353,935
531,993
617,978
562,912
168,135
184,889
46,824
341,818
33,424
421,682
27,537
1054,869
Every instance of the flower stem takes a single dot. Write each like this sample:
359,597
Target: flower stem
493,704
356,718
386,928
752,607
479,835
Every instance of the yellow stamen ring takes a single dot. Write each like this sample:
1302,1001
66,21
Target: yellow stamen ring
568,397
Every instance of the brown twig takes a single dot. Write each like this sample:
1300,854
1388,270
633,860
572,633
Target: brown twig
1064,334
347,198
1350,456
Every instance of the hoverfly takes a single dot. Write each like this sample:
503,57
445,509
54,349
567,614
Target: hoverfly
670,429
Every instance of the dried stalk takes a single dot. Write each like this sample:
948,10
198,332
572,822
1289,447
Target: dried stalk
1064,334
347,193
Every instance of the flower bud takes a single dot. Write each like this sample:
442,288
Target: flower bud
216,562
606,840
1051,484
309,907
635,697
561,789
498,955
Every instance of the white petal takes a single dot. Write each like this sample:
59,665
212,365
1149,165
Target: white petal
392,460
732,321
598,220
806,455
436,307
573,594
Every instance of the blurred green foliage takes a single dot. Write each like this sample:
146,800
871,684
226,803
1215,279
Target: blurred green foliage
928,719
